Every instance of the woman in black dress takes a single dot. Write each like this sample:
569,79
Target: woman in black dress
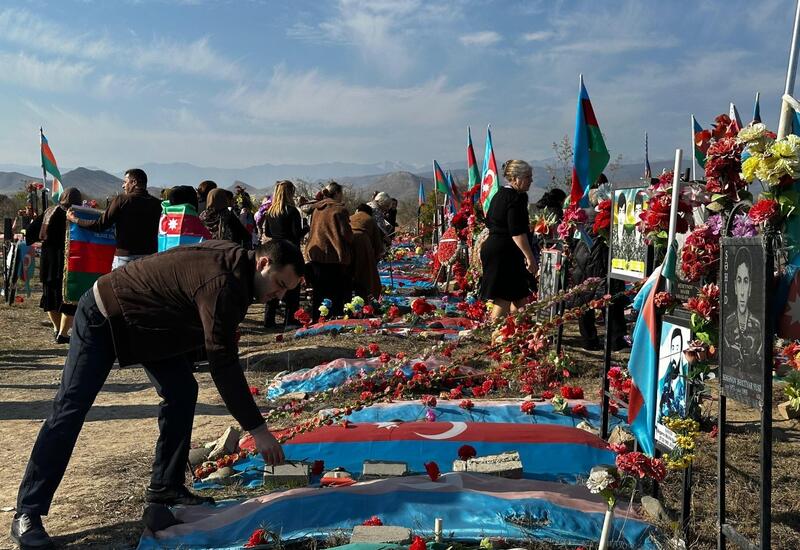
53,236
506,255
282,221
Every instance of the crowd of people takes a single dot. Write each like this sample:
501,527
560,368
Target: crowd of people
342,249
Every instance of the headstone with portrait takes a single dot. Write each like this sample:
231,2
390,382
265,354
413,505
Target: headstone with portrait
549,280
672,380
743,320
628,253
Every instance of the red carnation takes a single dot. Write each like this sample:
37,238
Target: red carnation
317,467
466,404
418,544
547,394
385,357
361,352
433,470
259,536
579,410
527,407
393,312
465,452
428,400
374,349
764,211
374,521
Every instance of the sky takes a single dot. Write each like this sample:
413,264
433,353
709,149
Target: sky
232,84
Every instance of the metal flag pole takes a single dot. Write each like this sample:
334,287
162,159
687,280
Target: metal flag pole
784,126
435,208
44,172
676,197
694,159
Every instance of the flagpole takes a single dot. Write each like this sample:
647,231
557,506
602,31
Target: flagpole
435,208
758,95
676,196
694,158
784,126
44,172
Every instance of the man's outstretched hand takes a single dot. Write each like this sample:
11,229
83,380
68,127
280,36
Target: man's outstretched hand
267,445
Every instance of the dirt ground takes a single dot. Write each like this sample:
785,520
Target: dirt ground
100,500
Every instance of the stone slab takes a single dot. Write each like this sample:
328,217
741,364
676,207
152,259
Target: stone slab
226,444
373,469
295,474
507,465
381,534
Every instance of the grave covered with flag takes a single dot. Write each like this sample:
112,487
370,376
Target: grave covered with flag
88,255
179,225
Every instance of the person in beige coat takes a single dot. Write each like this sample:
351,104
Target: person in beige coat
367,250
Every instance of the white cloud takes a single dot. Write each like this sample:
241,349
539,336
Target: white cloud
56,75
32,32
537,36
311,98
483,38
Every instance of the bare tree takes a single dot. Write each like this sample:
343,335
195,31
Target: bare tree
560,170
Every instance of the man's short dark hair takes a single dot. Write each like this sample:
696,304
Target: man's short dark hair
363,207
138,175
676,333
282,253
182,194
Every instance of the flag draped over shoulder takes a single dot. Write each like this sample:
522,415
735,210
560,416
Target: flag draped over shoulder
88,255
489,183
642,364
439,179
473,176
179,225
51,167
589,154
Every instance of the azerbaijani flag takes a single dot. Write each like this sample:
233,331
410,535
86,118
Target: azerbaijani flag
489,183
180,225
439,179
473,176
756,111
642,364
87,256
51,167
701,142
455,194
735,118
589,155
421,195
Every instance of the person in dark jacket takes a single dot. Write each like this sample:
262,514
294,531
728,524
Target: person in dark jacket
51,229
368,247
329,250
221,222
282,221
183,194
155,312
135,214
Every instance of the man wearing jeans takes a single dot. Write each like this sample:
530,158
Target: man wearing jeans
154,312
135,214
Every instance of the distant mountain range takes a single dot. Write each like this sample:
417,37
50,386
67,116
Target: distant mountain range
398,179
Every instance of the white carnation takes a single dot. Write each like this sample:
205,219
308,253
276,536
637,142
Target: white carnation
600,479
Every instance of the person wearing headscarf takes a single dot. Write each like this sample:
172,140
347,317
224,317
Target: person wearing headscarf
53,234
221,222
367,249
381,203
329,251
183,194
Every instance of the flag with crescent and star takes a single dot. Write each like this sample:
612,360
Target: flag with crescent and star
179,225
489,183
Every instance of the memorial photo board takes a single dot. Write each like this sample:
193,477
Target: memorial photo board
673,371
628,251
743,319
549,279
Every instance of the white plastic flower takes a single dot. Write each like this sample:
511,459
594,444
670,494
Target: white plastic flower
600,479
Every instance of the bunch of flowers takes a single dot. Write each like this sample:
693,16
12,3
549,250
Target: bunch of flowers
723,178
776,163
573,216
654,222
743,226
700,252
374,521
543,224
686,433
619,381
610,481
420,307
472,308
705,312
602,221
324,308
792,354
571,392
302,317
355,307
664,301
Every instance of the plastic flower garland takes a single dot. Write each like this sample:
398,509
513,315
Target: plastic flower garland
654,222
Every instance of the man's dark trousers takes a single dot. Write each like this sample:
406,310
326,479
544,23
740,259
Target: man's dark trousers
91,356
